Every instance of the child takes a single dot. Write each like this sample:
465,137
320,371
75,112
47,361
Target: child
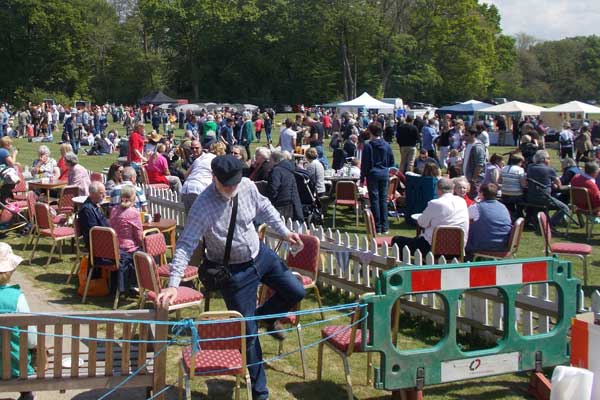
12,299
454,162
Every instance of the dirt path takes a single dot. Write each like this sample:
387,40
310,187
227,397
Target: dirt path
42,300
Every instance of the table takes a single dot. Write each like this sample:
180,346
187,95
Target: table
165,226
46,185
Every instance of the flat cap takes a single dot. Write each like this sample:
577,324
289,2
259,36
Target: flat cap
227,169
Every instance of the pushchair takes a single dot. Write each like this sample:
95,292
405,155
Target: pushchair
11,218
311,206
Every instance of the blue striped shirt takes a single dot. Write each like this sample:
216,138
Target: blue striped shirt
209,218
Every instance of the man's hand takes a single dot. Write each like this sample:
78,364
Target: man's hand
167,296
293,238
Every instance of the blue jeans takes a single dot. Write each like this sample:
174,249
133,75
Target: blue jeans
378,188
240,295
268,133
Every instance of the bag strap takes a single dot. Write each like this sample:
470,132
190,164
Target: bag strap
230,231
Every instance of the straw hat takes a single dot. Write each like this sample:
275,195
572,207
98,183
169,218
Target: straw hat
154,136
8,260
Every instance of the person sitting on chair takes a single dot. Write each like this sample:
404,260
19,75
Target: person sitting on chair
587,180
447,209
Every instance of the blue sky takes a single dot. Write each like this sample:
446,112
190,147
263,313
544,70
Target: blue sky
549,19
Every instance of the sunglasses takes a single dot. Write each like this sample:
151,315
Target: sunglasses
195,148
236,154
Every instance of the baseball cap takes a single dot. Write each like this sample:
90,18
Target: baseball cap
227,169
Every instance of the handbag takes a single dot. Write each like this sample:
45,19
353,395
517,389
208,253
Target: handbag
216,276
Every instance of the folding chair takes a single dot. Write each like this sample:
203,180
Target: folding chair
156,246
579,250
448,241
372,232
345,340
581,204
513,244
103,244
217,357
346,194
150,287
47,228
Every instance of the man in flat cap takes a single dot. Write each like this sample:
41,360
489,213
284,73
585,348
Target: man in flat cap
250,261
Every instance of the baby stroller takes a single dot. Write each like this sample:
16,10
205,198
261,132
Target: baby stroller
311,206
11,218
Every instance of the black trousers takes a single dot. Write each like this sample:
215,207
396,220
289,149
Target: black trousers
413,244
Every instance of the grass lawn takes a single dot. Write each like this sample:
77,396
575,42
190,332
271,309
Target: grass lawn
285,376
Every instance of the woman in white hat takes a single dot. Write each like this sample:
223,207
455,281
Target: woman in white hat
12,299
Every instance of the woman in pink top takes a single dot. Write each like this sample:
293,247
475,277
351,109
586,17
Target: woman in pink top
125,220
78,175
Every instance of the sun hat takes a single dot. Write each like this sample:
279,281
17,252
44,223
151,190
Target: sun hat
155,136
8,260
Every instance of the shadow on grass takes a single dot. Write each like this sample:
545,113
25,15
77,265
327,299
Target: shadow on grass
122,394
497,390
316,390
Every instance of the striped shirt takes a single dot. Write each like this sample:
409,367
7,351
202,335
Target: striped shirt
209,218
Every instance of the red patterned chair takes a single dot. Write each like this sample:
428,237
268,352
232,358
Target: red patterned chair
581,203
155,245
579,250
96,177
513,244
346,194
372,232
19,192
150,287
65,202
47,228
103,244
306,263
448,241
344,340
217,357
146,181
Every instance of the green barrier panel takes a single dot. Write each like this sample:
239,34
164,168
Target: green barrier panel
446,362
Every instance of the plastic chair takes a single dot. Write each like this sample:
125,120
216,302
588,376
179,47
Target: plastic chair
150,287
265,292
103,244
345,340
579,250
513,243
47,228
346,194
155,245
306,263
581,204
372,232
217,357
448,241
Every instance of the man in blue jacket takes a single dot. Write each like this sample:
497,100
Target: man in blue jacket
376,160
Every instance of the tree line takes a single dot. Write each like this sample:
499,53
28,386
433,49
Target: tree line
282,52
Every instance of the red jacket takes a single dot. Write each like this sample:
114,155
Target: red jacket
590,184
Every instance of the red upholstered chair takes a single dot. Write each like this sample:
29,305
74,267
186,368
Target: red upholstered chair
150,287
96,177
155,245
346,194
146,181
19,191
217,357
306,264
393,194
581,204
372,232
103,244
513,243
448,241
344,340
47,228
579,250
65,202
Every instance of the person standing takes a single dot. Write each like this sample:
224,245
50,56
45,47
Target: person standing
474,161
429,136
251,262
247,132
136,145
566,139
268,127
407,137
287,139
258,127
376,160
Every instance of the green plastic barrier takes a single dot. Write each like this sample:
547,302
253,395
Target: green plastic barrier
446,362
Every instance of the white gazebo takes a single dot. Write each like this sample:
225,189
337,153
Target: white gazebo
367,102
573,110
514,108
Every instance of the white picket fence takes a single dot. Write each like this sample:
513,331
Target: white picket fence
351,264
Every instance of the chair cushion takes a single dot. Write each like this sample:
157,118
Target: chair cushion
164,271
380,240
346,202
59,232
341,340
159,185
213,362
571,248
307,280
184,295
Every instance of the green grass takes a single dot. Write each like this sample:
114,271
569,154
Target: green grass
285,381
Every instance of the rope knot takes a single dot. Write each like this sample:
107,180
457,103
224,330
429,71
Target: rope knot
182,327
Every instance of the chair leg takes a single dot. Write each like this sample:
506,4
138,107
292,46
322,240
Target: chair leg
319,302
237,387
301,347
180,383
584,260
207,301
87,284
356,211
369,367
334,212
320,362
116,303
188,387
74,270
280,348
248,386
51,254
37,239
348,377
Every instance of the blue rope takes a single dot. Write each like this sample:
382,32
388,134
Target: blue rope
189,324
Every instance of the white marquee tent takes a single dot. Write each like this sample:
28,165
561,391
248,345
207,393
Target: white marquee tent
366,101
515,108
573,110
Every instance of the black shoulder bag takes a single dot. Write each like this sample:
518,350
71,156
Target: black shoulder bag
216,276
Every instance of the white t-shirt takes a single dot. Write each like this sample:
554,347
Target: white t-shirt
200,176
447,209
286,139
